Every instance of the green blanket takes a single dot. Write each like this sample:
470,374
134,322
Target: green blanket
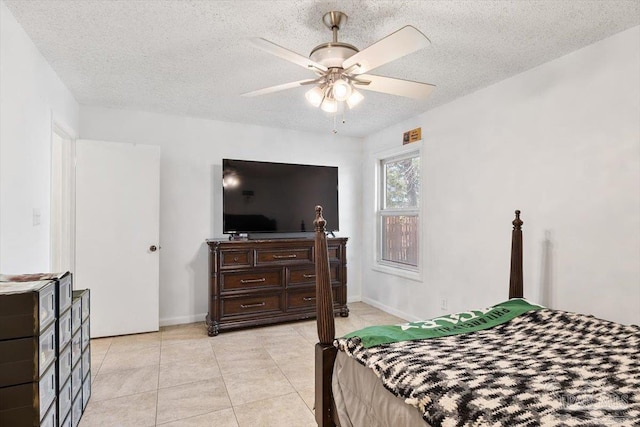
451,324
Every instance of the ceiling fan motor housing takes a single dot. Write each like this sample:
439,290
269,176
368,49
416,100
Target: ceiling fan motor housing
332,55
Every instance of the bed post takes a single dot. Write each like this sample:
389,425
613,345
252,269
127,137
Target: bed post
516,280
325,351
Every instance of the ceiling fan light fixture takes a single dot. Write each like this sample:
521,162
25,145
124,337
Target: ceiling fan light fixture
329,105
341,90
354,99
315,96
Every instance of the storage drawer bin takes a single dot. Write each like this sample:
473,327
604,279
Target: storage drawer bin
64,329
76,380
26,308
86,362
86,392
85,336
76,315
76,347
27,404
84,297
64,292
17,358
67,420
65,364
65,399
76,410
51,418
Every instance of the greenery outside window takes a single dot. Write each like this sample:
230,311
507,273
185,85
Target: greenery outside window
399,185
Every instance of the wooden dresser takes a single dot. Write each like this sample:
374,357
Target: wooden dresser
260,282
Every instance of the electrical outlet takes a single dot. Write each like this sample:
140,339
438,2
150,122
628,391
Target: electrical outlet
444,304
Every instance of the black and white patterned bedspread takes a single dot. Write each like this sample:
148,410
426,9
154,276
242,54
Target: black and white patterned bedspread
543,368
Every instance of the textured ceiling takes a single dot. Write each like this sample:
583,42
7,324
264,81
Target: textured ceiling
193,58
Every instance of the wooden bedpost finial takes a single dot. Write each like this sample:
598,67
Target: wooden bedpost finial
517,223
319,223
516,277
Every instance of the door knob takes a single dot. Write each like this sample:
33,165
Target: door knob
153,248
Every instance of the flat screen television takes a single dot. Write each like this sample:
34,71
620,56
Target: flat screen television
265,197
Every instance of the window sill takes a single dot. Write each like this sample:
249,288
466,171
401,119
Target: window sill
399,272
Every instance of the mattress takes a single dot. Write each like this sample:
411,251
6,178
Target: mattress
545,367
362,401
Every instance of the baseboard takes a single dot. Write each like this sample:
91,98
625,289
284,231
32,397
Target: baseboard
390,310
354,298
181,320
194,318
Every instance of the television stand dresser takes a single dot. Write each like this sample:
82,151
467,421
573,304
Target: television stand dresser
261,282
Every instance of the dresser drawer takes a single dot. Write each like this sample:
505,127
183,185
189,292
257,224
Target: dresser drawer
240,306
307,276
235,258
299,300
25,360
251,280
289,256
335,253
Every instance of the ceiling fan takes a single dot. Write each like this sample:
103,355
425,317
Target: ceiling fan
340,67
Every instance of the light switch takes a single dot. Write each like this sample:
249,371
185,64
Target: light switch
36,216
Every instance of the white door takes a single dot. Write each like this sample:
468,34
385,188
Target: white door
117,235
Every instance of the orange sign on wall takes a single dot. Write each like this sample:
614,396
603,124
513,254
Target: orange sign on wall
412,136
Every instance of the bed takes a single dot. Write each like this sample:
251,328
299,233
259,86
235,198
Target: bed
539,367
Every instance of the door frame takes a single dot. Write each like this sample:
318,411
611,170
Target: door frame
67,161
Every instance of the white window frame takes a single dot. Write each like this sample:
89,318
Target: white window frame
397,269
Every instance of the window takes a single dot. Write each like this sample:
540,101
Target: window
399,209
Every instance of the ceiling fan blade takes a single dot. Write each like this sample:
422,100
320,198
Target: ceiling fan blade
287,54
278,88
408,88
396,45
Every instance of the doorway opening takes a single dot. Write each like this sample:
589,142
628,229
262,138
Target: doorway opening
62,201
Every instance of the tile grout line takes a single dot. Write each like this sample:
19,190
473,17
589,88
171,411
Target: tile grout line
225,384
158,382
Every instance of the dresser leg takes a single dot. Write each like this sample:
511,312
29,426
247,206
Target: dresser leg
344,311
213,327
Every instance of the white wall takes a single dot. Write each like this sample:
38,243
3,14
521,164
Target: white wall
32,97
191,189
561,142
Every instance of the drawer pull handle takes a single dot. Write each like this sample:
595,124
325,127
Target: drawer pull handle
262,279
259,304
285,256
235,259
309,299
308,276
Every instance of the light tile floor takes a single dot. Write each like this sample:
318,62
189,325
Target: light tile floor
259,377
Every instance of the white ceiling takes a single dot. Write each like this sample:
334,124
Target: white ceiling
193,58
